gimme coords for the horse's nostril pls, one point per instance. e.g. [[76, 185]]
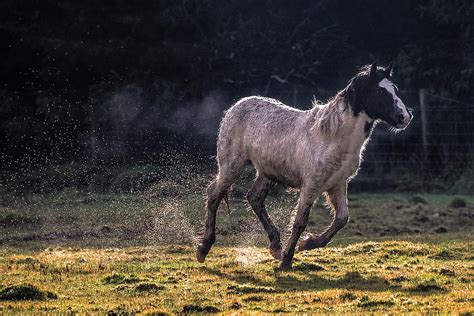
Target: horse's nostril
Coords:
[[400, 118]]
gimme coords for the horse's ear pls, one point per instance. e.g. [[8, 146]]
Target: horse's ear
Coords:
[[389, 70], [373, 69]]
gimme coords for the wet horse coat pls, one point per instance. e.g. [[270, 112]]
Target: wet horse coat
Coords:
[[316, 151]]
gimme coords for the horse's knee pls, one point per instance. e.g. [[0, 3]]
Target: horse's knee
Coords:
[[258, 192], [215, 192], [341, 219]]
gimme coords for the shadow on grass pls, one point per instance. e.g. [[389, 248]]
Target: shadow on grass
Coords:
[[238, 276], [351, 280], [297, 281]]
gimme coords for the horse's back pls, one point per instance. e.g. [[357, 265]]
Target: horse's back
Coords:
[[262, 131], [259, 112], [255, 117]]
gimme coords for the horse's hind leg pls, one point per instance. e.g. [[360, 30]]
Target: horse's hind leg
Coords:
[[228, 172], [256, 197]]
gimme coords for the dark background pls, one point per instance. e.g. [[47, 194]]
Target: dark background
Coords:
[[127, 83]]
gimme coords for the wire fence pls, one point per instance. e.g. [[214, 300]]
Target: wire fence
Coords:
[[436, 149]]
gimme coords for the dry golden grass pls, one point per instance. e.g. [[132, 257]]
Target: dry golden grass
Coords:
[[77, 252], [388, 276]]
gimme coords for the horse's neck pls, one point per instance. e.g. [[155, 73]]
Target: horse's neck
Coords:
[[354, 132], [339, 126]]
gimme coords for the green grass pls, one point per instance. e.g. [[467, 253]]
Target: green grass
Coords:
[[387, 276], [132, 253]]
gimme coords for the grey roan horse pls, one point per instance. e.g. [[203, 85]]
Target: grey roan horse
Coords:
[[316, 151]]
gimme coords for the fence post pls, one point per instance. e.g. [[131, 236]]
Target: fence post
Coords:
[[424, 123]]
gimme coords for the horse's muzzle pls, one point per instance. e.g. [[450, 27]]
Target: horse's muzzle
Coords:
[[402, 119]]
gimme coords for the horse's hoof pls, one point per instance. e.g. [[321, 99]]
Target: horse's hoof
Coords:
[[286, 266], [201, 253]]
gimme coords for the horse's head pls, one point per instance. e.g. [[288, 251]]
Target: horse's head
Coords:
[[375, 94]]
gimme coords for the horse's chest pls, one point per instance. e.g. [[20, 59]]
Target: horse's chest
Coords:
[[343, 168]]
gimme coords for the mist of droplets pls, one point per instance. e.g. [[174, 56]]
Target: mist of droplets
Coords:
[[170, 225], [249, 255]]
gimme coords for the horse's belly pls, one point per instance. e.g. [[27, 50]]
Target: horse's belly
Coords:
[[282, 179], [278, 171]]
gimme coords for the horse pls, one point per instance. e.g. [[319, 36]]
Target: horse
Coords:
[[317, 151]]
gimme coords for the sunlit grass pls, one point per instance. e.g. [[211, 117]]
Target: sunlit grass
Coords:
[[387, 275], [132, 252]]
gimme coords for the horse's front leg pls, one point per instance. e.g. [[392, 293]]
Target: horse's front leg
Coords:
[[337, 198], [305, 201]]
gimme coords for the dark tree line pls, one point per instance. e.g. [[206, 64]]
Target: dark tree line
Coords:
[[123, 80]]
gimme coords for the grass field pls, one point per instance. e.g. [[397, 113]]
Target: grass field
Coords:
[[133, 253]]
